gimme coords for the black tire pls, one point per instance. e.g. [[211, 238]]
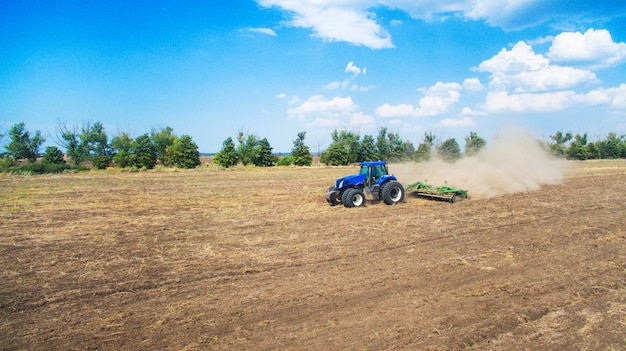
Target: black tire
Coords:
[[335, 198], [353, 198], [393, 193]]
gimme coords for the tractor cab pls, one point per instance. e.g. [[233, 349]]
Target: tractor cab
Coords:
[[373, 171]]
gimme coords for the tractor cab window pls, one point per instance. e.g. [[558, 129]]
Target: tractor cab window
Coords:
[[376, 172], [364, 169], [379, 171]]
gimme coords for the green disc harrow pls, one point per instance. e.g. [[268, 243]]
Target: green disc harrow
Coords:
[[444, 193]]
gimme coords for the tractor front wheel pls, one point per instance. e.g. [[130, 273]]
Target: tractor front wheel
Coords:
[[353, 198], [393, 193]]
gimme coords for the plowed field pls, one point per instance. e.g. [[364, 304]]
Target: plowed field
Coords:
[[254, 259]]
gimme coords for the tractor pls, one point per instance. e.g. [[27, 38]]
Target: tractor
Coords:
[[373, 182]]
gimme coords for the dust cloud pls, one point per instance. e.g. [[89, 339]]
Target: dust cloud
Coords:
[[513, 162]]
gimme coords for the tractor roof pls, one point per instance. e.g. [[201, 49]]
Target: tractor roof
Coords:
[[374, 163]]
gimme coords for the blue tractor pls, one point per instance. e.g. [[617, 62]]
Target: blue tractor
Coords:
[[373, 182]]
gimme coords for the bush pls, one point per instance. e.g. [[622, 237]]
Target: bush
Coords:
[[6, 163], [40, 168], [53, 156], [285, 161], [101, 161], [185, 152]]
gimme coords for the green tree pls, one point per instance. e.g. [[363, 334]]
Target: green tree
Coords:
[[396, 148], [390, 147], [121, 146], [473, 144], [351, 143], [368, 148], [611, 148], [227, 157], [422, 153], [247, 149], [577, 149], [96, 139], [143, 152], [430, 139], [22, 145], [335, 155], [163, 139], [300, 152], [403, 151], [185, 152], [425, 148], [383, 149], [558, 147], [593, 151], [265, 158], [53, 156], [69, 139], [449, 150], [344, 149]]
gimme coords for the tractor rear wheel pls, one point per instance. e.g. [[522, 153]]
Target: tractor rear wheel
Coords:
[[393, 193], [353, 198]]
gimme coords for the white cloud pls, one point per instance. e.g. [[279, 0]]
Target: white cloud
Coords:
[[466, 111], [508, 14], [361, 88], [266, 31], [347, 83], [333, 85], [524, 81], [355, 22], [594, 48], [387, 110], [295, 100], [348, 21], [501, 101], [359, 121], [456, 123], [472, 85], [351, 68], [522, 70], [317, 105], [497, 12], [613, 97], [619, 96], [436, 101], [324, 123], [540, 40], [281, 96]]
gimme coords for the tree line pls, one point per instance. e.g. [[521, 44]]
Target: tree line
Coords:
[[349, 147], [90, 143], [254, 151], [578, 147], [346, 148]]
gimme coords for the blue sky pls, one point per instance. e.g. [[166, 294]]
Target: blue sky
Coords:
[[276, 67]]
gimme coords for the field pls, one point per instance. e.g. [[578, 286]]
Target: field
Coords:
[[254, 259]]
